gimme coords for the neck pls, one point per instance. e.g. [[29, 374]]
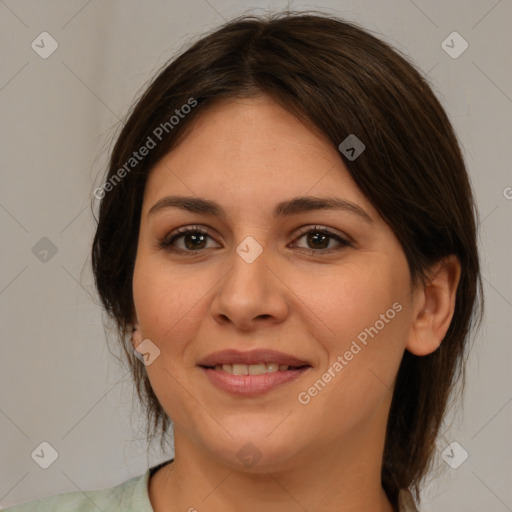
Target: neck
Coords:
[[330, 476]]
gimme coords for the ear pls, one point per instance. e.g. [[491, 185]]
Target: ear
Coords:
[[136, 334], [434, 305]]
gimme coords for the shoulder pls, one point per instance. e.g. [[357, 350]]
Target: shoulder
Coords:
[[125, 497]]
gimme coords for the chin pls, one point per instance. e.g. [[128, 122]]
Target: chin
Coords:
[[255, 453]]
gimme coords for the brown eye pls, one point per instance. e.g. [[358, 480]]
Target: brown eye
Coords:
[[193, 239], [319, 238]]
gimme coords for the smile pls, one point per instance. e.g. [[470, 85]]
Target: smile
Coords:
[[252, 380], [253, 369]]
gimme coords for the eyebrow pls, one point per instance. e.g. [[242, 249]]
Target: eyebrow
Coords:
[[283, 209]]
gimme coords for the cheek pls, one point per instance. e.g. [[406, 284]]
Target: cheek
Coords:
[[364, 355], [168, 303], [169, 308], [364, 320], [344, 303]]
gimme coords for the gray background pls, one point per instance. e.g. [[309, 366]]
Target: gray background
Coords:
[[59, 382]]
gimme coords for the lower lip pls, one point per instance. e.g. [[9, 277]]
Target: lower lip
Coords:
[[251, 385]]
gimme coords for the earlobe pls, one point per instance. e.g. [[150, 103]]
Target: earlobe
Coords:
[[136, 336], [434, 307]]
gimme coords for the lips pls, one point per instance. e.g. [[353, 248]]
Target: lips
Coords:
[[253, 357], [252, 385], [252, 373]]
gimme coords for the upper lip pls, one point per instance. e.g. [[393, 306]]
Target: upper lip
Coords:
[[251, 357]]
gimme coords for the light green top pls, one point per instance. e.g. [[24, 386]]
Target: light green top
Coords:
[[130, 496]]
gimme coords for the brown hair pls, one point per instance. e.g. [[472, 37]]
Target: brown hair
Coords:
[[342, 80]]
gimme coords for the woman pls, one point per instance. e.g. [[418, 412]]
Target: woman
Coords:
[[287, 244]]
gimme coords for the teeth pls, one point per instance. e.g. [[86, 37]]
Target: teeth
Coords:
[[252, 369]]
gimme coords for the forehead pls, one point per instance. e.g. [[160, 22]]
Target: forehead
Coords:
[[248, 153]]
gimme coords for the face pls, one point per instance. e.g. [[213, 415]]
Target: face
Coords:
[[329, 287]]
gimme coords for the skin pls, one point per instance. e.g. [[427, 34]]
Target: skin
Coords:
[[248, 155]]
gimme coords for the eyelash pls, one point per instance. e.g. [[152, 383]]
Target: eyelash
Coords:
[[168, 241]]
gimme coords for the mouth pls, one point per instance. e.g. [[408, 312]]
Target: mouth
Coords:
[[275, 360], [254, 369], [251, 373]]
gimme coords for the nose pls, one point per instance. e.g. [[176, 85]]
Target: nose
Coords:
[[251, 294]]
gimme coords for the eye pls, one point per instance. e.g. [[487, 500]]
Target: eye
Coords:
[[194, 239], [320, 237]]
